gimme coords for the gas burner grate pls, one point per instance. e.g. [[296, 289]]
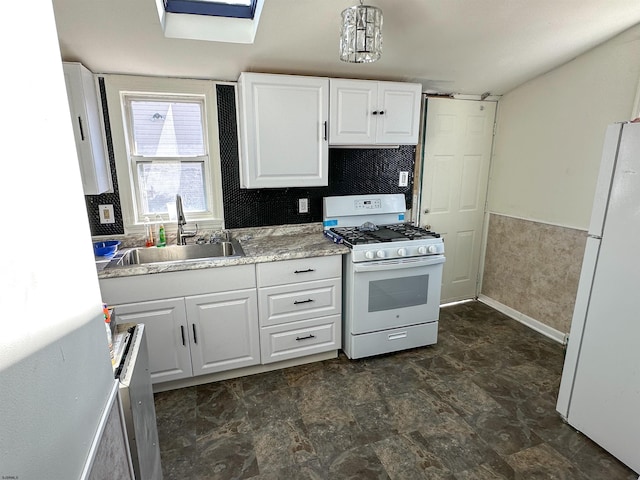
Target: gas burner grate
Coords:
[[385, 233]]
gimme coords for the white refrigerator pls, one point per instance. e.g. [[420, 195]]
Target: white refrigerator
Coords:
[[600, 388]]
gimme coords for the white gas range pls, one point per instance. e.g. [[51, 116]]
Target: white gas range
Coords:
[[392, 276]]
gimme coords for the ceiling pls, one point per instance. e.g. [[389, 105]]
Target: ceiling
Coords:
[[450, 46]]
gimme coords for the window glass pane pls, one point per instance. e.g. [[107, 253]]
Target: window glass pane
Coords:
[[167, 129], [159, 183]]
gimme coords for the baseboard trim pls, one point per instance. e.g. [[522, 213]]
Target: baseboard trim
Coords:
[[532, 323]]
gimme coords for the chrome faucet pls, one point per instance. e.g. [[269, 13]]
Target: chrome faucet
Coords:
[[182, 221]]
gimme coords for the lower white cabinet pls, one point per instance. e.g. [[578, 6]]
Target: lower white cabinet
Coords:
[[199, 334], [223, 328], [217, 320], [300, 305], [167, 336], [197, 321]]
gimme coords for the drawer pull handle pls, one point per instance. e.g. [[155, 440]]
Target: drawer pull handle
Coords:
[[305, 271], [182, 332], [298, 302], [308, 337], [195, 338], [396, 336]]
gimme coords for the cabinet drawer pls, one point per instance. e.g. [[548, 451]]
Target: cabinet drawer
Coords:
[[307, 337], [290, 303], [299, 270]]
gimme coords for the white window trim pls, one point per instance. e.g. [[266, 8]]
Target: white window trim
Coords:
[[115, 85]]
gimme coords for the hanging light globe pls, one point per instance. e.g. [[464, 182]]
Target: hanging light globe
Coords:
[[361, 34]]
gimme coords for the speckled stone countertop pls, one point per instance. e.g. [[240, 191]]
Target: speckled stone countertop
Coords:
[[262, 244]]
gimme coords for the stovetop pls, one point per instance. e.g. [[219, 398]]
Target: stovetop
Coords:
[[370, 233], [387, 241]]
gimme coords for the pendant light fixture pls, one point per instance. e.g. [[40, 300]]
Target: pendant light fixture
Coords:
[[361, 34]]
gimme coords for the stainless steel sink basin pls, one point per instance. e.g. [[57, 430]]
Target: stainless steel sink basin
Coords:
[[177, 254]]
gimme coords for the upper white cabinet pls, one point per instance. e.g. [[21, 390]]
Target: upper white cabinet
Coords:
[[86, 117], [283, 124], [366, 112]]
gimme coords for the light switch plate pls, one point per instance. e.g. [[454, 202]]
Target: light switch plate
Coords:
[[106, 214], [303, 205], [403, 181]]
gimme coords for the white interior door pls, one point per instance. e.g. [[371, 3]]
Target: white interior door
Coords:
[[457, 151]]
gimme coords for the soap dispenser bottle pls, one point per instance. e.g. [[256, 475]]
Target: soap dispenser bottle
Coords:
[[161, 238]]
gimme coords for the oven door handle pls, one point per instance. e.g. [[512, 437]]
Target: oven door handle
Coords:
[[398, 264]]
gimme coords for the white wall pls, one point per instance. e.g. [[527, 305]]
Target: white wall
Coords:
[[55, 372], [550, 132]]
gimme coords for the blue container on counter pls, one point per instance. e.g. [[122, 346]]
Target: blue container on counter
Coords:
[[105, 249]]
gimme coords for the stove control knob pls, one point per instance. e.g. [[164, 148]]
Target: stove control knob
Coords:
[[402, 252], [433, 249], [381, 254], [422, 250], [369, 254]]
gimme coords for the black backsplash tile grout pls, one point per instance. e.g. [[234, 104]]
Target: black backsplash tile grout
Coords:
[[351, 172]]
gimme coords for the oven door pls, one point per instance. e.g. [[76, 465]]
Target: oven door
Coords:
[[395, 293]]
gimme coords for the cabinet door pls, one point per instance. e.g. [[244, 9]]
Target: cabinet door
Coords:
[[283, 130], [167, 337], [353, 103], [87, 128], [398, 113], [223, 328]]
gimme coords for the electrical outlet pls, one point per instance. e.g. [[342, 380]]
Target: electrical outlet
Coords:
[[106, 214], [303, 205], [403, 181]]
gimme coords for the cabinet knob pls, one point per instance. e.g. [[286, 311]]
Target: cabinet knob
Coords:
[[381, 112], [375, 112], [426, 210]]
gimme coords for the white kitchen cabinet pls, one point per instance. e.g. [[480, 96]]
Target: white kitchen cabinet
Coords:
[[367, 112], [210, 326], [283, 127], [223, 331], [87, 121], [300, 307], [167, 336]]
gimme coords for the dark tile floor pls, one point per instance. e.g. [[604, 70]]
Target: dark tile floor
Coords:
[[478, 405]]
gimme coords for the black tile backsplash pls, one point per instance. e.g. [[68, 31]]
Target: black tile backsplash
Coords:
[[351, 172], [93, 201]]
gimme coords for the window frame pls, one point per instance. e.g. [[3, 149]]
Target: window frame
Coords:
[[117, 88]]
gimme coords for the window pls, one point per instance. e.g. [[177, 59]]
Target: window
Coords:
[[168, 151], [165, 139]]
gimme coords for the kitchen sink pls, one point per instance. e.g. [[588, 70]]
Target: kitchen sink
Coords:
[[177, 254]]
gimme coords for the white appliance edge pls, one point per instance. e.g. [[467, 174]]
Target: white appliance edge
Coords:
[[600, 388]]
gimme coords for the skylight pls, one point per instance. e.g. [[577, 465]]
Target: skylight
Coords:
[[217, 8], [233, 21]]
